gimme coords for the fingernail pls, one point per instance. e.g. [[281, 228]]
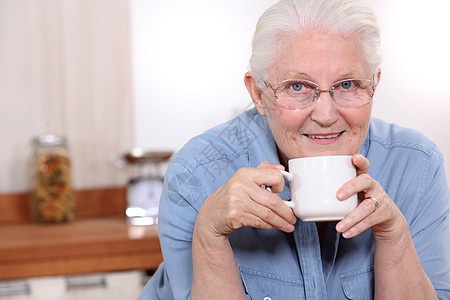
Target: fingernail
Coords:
[[340, 227], [348, 233], [290, 228]]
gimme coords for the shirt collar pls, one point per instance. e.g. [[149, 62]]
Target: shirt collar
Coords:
[[365, 146], [263, 147]]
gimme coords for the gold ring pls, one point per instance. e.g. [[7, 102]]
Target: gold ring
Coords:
[[374, 201]]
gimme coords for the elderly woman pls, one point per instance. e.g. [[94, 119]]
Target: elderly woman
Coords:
[[313, 74]]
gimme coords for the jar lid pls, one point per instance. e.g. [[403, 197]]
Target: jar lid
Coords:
[[49, 140]]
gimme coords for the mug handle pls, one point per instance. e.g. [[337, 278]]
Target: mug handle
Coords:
[[289, 177]]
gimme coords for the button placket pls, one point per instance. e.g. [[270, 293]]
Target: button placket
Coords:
[[308, 248]]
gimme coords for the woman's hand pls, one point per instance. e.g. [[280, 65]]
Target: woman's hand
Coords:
[[242, 202], [375, 210], [395, 255]]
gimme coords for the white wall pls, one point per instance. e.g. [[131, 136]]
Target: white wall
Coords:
[[189, 63], [190, 58], [415, 87], [65, 69]]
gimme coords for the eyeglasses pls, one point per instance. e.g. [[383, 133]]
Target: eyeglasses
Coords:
[[298, 94]]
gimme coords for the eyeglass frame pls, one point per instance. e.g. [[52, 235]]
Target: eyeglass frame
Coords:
[[318, 90]]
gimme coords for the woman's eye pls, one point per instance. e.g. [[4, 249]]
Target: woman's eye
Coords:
[[297, 87], [346, 85]]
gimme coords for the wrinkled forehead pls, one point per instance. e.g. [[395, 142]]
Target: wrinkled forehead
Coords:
[[319, 56]]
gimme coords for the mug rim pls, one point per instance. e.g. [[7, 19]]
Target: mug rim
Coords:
[[319, 157]]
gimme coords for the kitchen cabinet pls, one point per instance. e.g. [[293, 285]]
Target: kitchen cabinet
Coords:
[[101, 286]]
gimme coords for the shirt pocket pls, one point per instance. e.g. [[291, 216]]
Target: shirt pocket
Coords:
[[268, 286], [358, 284]]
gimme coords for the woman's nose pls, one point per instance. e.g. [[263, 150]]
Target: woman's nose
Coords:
[[325, 110]]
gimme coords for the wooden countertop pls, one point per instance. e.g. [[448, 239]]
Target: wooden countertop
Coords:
[[86, 245]]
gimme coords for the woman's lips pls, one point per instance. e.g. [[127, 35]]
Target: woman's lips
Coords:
[[328, 138]]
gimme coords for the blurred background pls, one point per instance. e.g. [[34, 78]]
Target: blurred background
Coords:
[[111, 75], [114, 74]]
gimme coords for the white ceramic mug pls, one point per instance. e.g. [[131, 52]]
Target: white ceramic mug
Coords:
[[314, 182]]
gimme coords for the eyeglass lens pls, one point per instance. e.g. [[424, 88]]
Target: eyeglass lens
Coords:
[[295, 94]]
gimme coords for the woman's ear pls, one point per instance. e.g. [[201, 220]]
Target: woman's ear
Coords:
[[255, 92], [378, 76]]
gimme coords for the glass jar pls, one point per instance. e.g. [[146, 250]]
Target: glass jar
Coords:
[[52, 198]]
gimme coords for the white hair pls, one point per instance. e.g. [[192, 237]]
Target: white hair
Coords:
[[288, 17]]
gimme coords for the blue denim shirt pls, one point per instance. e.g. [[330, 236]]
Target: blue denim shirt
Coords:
[[276, 265]]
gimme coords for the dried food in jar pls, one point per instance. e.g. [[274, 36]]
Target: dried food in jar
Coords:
[[52, 194]]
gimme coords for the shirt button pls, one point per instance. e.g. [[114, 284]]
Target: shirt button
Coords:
[[267, 298]]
